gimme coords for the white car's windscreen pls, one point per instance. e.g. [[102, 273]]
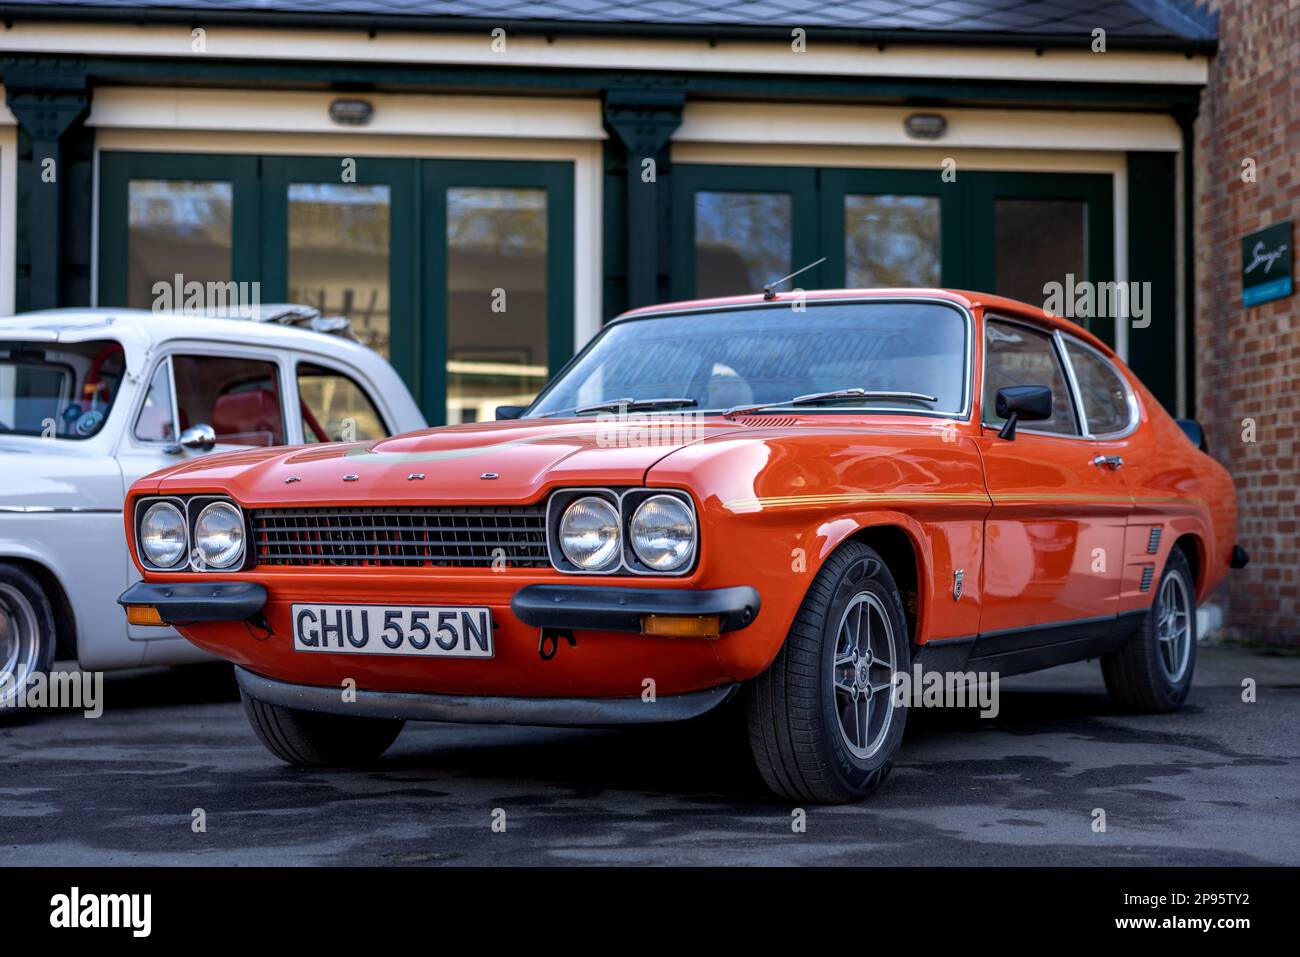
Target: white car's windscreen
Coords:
[[62, 391]]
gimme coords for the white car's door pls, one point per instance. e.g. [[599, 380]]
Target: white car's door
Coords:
[[203, 398]]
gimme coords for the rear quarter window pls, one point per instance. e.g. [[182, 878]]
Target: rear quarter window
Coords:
[[1102, 389]]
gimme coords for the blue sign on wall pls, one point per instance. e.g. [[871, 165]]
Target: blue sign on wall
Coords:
[[1266, 271]]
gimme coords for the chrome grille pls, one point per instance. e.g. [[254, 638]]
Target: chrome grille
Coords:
[[461, 536]]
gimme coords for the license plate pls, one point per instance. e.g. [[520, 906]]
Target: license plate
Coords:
[[433, 632]]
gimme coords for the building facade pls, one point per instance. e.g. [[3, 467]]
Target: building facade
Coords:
[[480, 185], [1248, 357]]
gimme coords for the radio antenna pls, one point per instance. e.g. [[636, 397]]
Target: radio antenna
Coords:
[[769, 291]]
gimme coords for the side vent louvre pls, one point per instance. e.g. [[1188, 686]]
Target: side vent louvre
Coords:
[[1153, 541], [1148, 573]]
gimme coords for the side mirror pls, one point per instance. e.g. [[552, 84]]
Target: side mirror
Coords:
[[1192, 429], [1028, 402], [199, 438], [510, 411]]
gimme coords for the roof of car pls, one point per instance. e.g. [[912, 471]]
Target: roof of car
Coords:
[[157, 327], [971, 300]]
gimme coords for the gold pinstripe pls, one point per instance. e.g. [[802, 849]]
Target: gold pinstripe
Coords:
[[884, 498]]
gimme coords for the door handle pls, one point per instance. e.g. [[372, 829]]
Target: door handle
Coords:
[[1113, 462]]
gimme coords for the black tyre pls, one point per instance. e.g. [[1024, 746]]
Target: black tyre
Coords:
[[27, 634], [311, 739], [1153, 672], [823, 723]]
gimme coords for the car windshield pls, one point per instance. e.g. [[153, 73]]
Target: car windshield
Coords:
[[904, 356], [57, 390]]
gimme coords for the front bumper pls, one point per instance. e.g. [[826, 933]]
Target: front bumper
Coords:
[[592, 644], [578, 607], [183, 603], [485, 709], [610, 608]]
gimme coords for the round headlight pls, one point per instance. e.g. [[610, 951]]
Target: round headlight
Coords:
[[162, 535], [589, 533], [663, 533], [219, 535]]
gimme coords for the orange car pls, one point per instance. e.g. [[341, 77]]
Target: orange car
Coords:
[[792, 498]]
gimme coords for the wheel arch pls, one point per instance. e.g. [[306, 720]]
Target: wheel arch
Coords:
[[1193, 548], [894, 545], [65, 619]]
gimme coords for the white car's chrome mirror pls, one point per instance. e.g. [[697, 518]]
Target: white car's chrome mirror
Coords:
[[201, 437]]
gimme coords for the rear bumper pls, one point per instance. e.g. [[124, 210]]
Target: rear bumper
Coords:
[[485, 709], [185, 603]]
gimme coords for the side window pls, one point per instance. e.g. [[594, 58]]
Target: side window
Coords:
[[239, 398], [155, 421], [1102, 389], [336, 409], [1018, 355]]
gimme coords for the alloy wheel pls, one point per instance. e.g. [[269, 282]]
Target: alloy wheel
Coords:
[[862, 673], [1173, 627]]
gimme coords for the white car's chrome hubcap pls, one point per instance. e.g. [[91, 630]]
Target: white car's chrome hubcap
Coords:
[[19, 641]]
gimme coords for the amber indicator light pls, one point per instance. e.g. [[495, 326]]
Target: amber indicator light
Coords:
[[681, 626]]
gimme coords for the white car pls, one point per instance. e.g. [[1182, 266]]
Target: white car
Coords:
[[90, 400]]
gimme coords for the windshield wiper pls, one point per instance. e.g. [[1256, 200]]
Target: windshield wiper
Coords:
[[631, 405], [837, 395]]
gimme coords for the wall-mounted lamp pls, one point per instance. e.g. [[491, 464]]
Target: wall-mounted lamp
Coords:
[[925, 126], [351, 112]]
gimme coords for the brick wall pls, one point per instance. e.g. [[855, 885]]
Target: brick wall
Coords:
[[1248, 361]]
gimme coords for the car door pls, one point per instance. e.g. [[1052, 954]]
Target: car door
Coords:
[[1054, 538], [1110, 409]]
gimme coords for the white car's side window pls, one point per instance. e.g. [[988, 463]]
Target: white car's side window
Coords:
[[335, 408], [156, 422]]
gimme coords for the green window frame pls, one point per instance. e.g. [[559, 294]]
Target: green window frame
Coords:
[[399, 175], [117, 169], [437, 176], [966, 204], [1095, 189], [837, 184], [799, 182], [417, 246]]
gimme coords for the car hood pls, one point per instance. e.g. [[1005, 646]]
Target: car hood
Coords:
[[494, 461], [41, 474]]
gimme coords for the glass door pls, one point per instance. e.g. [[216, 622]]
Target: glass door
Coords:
[[738, 228], [889, 228], [1042, 228], [169, 220], [498, 238], [340, 237]]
